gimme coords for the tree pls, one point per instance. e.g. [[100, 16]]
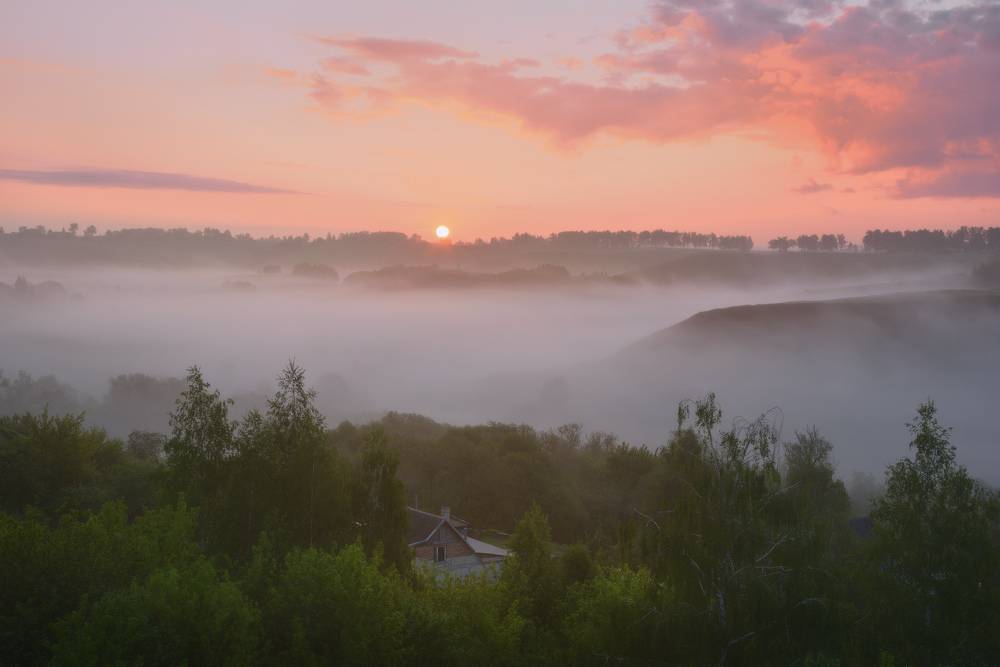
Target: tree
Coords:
[[60, 452], [200, 446], [781, 244], [808, 242], [930, 570], [176, 616], [380, 502], [297, 432], [809, 470], [817, 555], [828, 242], [145, 444], [723, 536], [336, 609], [531, 579]]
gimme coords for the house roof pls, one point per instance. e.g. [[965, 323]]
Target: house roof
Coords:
[[484, 549], [423, 525]]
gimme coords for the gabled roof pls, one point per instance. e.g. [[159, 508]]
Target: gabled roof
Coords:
[[423, 525]]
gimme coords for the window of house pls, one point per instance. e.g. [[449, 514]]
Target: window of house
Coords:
[[439, 554]]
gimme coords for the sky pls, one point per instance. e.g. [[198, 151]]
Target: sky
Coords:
[[751, 117]]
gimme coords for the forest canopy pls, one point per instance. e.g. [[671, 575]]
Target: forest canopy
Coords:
[[277, 538]]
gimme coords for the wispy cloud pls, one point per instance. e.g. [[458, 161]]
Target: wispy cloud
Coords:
[[811, 186], [951, 184], [394, 50], [136, 180]]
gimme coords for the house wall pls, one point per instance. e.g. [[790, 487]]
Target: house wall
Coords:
[[459, 567], [446, 537]]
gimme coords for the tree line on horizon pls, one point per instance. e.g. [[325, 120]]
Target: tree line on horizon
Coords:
[[276, 539], [583, 239], [962, 239]]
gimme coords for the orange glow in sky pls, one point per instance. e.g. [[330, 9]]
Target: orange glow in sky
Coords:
[[602, 115]]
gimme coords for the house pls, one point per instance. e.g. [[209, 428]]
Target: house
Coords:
[[443, 541]]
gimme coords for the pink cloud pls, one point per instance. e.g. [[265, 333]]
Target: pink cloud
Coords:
[[344, 66], [811, 186], [572, 64], [394, 50], [136, 180], [285, 74], [952, 184], [876, 87]]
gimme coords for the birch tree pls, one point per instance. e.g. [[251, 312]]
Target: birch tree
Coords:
[[930, 571], [720, 539]]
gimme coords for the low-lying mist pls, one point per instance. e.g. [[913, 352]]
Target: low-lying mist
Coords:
[[583, 351]]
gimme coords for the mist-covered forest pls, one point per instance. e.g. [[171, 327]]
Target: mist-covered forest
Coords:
[[605, 329], [174, 489], [278, 539]]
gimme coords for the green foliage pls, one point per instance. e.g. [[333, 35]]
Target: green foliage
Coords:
[[483, 625], [725, 556], [62, 449], [494, 473], [531, 578], [575, 565], [336, 608], [293, 448], [201, 442], [54, 460], [723, 539], [617, 617], [48, 571], [530, 568], [818, 555], [380, 502], [176, 616], [930, 571], [820, 660]]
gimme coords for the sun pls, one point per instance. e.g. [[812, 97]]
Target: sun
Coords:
[[442, 232]]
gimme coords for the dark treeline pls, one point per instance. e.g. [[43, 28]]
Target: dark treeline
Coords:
[[181, 247], [275, 539], [184, 247], [812, 243], [628, 239], [963, 239], [578, 239]]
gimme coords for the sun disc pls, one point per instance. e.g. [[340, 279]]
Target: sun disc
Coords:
[[442, 232]]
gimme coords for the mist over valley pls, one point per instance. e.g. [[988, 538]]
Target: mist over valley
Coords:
[[612, 340]]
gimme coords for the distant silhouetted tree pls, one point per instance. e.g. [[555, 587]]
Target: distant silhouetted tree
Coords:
[[808, 242], [781, 244]]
